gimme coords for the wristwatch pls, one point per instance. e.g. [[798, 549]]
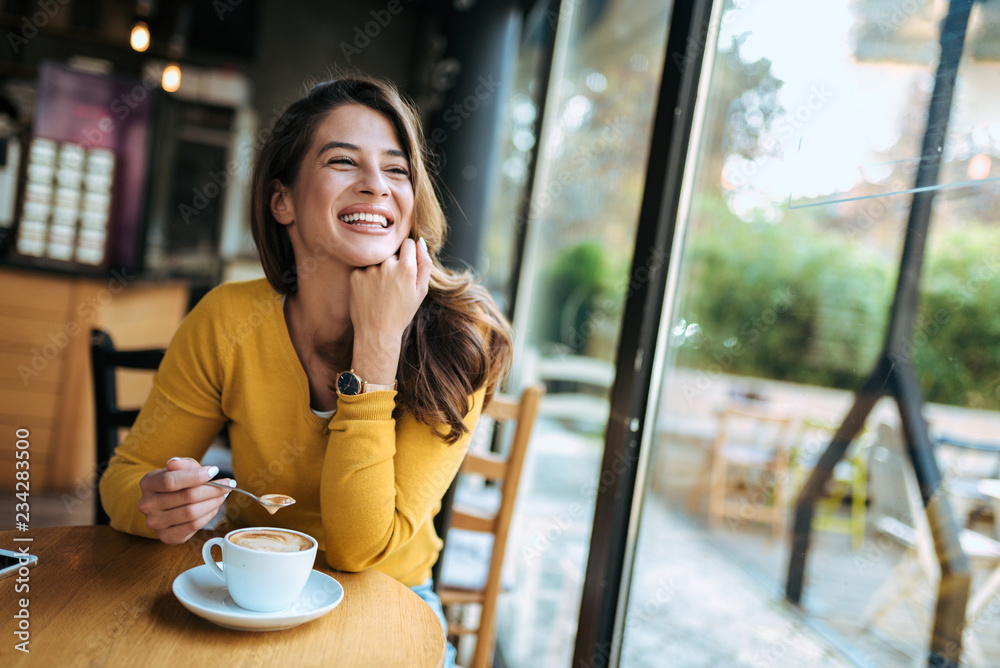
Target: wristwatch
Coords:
[[350, 384]]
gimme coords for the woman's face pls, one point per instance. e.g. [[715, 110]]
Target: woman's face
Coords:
[[352, 198]]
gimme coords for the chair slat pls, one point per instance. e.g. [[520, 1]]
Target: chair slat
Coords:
[[468, 519], [522, 411], [490, 466], [502, 408], [455, 596]]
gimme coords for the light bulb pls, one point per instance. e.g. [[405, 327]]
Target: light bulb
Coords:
[[171, 78], [140, 37], [979, 166]]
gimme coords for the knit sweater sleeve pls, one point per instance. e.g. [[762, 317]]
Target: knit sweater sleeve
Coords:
[[180, 418], [383, 478]]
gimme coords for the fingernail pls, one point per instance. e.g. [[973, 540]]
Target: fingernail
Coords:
[[422, 243], [172, 459], [213, 471], [231, 483]]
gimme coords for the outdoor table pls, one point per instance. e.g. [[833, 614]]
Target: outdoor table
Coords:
[[101, 597]]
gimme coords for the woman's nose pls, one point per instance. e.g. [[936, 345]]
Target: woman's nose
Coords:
[[372, 181]]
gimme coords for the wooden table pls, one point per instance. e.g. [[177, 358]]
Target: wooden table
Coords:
[[102, 598]]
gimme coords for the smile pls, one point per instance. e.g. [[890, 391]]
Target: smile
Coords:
[[365, 220]]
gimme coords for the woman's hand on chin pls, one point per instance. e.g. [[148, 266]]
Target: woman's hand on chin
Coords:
[[384, 299]]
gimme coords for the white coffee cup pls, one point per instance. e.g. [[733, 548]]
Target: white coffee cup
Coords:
[[264, 568]]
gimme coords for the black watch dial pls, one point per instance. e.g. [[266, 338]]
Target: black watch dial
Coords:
[[348, 383]]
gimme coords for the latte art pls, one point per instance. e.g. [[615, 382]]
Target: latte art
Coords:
[[271, 540]]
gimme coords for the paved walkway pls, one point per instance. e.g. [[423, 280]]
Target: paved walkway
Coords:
[[692, 606], [701, 598]]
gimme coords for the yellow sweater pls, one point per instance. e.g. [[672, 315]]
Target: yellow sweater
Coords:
[[366, 486]]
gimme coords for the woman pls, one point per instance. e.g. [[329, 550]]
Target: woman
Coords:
[[351, 378]]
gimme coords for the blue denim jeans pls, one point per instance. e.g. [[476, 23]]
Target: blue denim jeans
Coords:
[[426, 592]]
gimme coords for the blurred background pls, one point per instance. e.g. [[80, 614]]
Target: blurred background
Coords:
[[127, 131]]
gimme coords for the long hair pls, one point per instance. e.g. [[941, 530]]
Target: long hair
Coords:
[[458, 341]]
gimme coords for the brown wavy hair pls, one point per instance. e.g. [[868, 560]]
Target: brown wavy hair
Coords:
[[458, 341]]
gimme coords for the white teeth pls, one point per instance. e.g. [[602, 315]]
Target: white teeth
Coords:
[[362, 218]]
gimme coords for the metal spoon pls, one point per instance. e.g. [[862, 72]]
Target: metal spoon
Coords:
[[272, 503]]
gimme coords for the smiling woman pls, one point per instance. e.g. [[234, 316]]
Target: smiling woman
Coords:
[[355, 173], [356, 388]]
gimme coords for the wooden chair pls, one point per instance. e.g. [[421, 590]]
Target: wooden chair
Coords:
[[849, 481], [751, 455], [897, 511], [109, 418], [495, 469]]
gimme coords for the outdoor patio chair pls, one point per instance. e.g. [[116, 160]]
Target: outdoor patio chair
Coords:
[[898, 512], [472, 562], [848, 484], [748, 478], [577, 389]]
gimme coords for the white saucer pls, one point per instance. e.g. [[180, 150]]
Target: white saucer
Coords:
[[204, 594]]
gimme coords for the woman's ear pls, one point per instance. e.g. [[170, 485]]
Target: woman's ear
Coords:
[[282, 207]]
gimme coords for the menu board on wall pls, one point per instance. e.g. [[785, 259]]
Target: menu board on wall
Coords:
[[83, 196], [67, 202]]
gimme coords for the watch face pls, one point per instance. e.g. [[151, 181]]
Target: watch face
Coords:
[[349, 383]]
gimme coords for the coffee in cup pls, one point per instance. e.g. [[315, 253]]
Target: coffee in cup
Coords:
[[271, 540], [264, 568]]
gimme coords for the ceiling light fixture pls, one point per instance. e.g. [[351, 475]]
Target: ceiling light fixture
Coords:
[[171, 80], [140, 36]]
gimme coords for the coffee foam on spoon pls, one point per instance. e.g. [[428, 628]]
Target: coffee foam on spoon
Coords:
[[279, 500]]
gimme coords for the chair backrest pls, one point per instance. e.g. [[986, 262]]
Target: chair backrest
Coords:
[[505, 472], [812, 436], [109, 418], [896, 505], [754, 428]]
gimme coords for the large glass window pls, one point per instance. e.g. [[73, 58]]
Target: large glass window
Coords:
[[801, 193], [587, 189]]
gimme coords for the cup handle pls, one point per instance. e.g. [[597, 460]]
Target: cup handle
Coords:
[[206, 555]]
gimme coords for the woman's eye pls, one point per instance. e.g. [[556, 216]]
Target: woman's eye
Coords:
[[402, 171], [340, 161]]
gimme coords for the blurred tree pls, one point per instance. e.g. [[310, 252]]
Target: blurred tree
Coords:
[[743, 110]]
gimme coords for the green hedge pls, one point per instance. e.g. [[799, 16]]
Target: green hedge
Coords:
[[956, 345], [794, 301]]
